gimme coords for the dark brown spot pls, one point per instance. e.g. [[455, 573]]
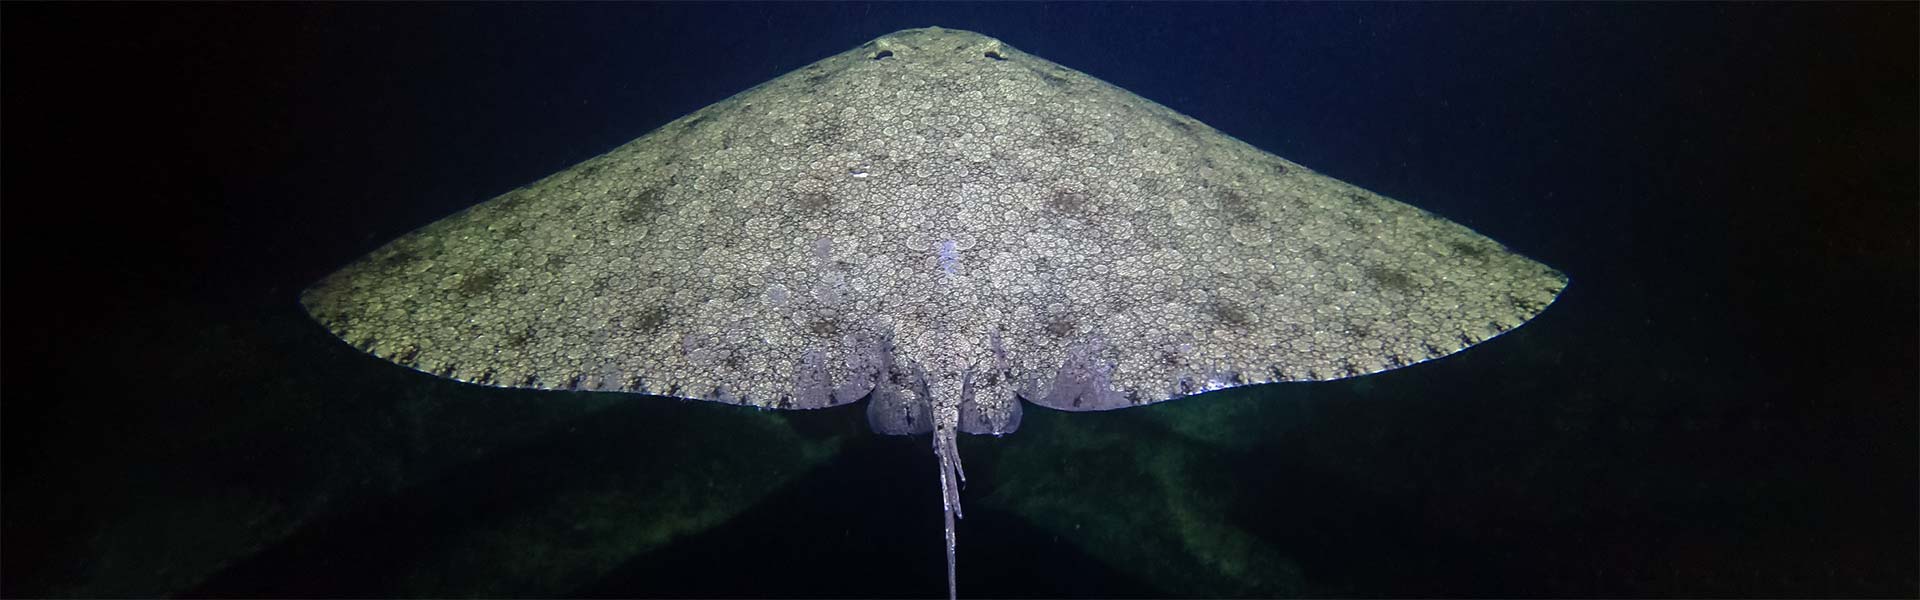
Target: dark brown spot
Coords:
[[1059, 326], [812, 201], [641, 207], [1067, 202], [825, 328], [1231, 314], [1187, 385], [1042, 265], [478, 283], [1360, 330], [400, 255], [817, 76], [1525, 306], [1064, 135], [511, 200], [823, 130], [1467, 250], [899, 376], [1171, 358], [1392, 279], [993, 378], [511, 230], [519, 339], [1236, 206], [1151, 186], [652, 320]]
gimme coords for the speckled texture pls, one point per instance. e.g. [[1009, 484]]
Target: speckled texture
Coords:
[[931, 202]]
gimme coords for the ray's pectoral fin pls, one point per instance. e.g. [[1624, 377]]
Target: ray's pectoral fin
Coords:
[[1084, 381]]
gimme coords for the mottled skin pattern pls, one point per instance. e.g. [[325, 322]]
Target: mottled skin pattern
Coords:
[[942, 224]]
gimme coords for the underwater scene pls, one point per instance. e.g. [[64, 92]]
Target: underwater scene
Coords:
[[735, 300]]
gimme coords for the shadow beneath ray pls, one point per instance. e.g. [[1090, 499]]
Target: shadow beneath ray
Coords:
[[476, 529], [882, 538]]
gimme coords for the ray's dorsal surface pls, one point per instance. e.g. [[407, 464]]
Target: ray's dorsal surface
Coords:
[[942, 225]]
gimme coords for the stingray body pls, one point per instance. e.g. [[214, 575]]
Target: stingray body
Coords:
[[940, 225]]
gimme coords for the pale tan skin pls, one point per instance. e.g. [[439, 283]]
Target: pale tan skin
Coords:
[[941, 224]]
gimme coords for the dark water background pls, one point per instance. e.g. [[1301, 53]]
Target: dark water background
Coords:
[[1722, 404]]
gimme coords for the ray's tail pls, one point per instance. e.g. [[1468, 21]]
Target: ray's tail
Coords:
[[951, 477]]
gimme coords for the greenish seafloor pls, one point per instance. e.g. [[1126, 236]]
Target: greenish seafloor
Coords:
[[1146, 496]]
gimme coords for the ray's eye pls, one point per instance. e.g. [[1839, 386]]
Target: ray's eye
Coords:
[[883, 54], [995, 54]]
